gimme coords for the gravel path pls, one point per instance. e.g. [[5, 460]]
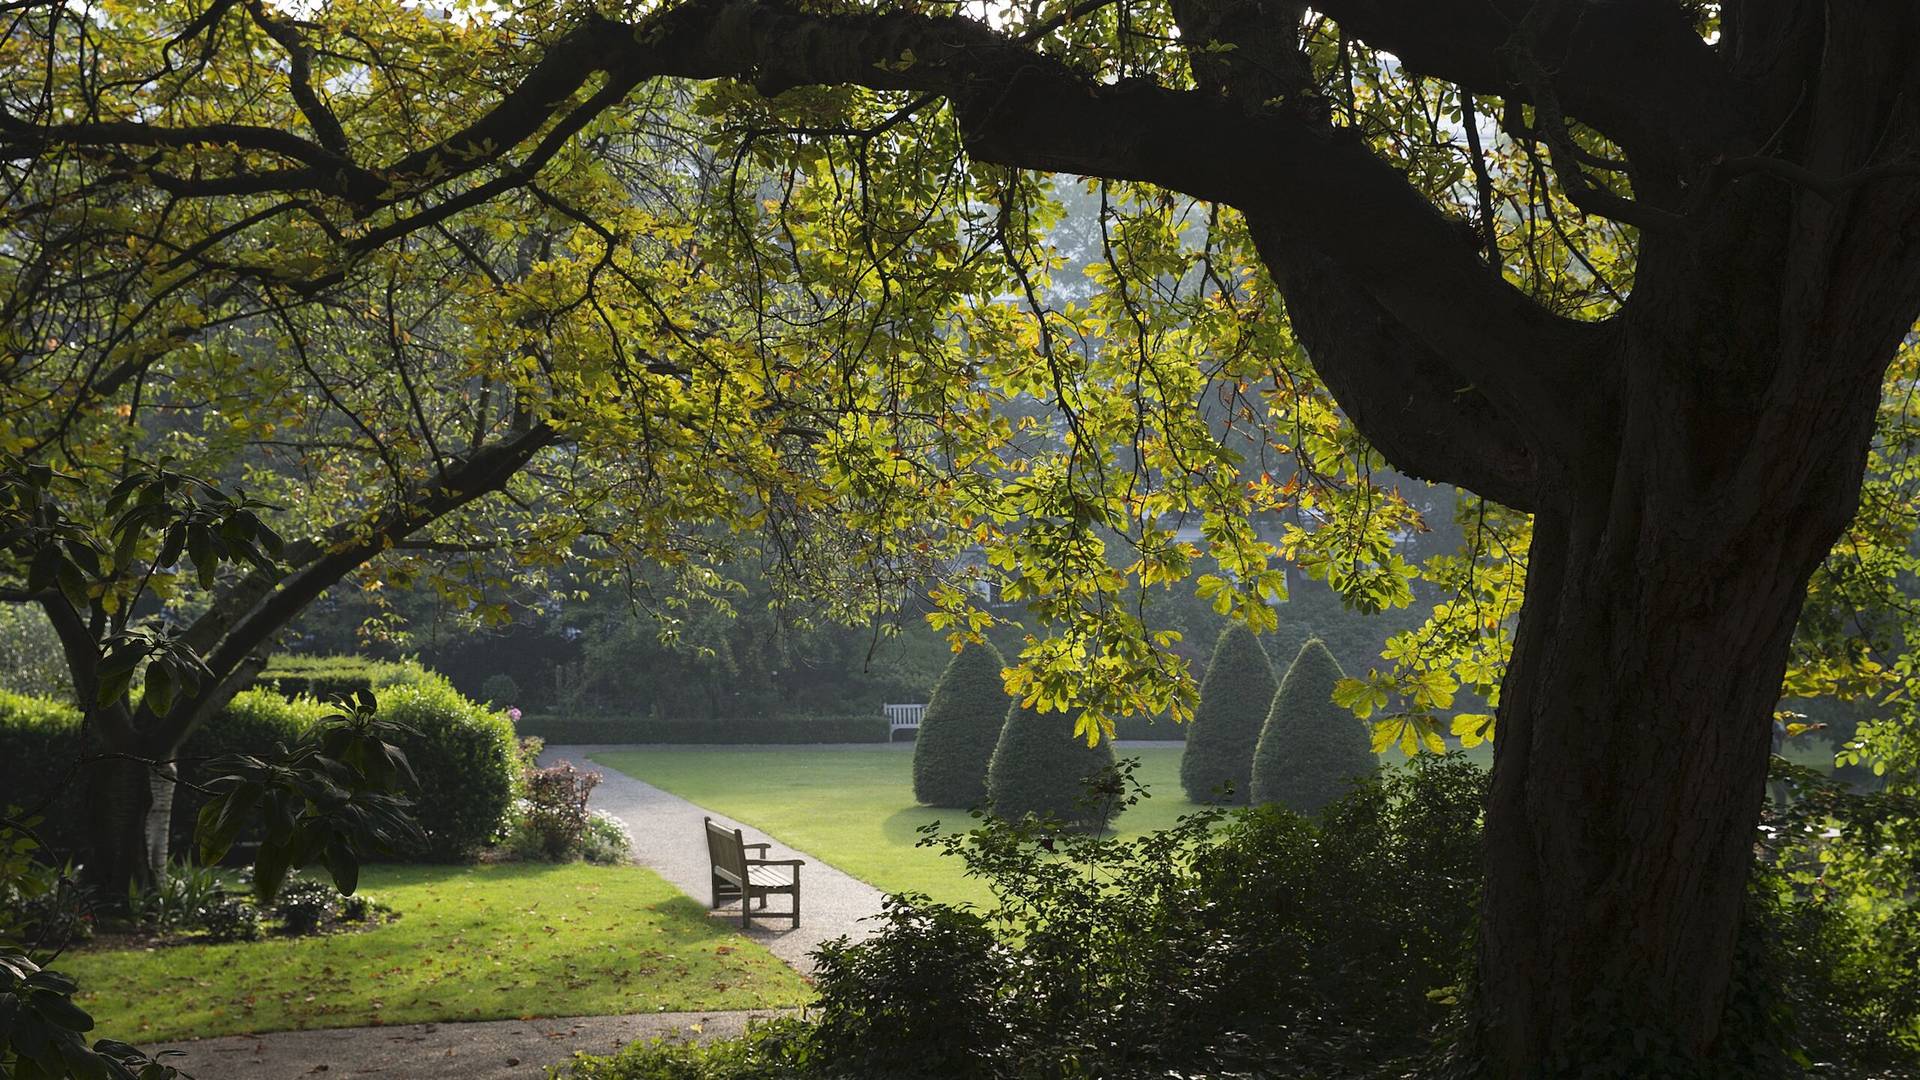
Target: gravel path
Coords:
[[488, 1050], [668, 838]]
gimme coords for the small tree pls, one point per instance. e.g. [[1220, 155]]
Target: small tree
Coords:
[[960, 730], [1041, 766], [1234, 700], [1311, 750]]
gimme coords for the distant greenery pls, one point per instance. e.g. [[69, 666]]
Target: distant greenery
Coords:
[[960, 730], [1311, 750], [471, 943]]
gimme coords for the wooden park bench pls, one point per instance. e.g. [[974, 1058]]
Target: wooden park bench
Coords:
[[736, 877]]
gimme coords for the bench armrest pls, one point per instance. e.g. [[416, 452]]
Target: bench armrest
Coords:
[[776, 862], [762, 847]]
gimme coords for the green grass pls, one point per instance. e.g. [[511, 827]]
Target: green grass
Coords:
[[472, 943], [855, 808]]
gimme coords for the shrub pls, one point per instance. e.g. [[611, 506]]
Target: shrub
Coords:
[[499, 690], [40, 740], [1041, 767], [557, 807], [921, 999], [306, 906], [462, 754], [1310, 749], [177, 899], [606, 840], [231, 919], [464, 757], [960, 729], [1235, 698]]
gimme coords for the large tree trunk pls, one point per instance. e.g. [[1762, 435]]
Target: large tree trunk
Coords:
[[1663, 591], [122, 855]]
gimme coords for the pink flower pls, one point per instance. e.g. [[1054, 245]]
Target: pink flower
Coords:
[[513, 715]]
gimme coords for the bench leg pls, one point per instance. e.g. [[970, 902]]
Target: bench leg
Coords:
[[746, 906]]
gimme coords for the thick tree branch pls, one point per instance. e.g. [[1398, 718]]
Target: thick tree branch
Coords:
[[1635, 70], [331, 558]]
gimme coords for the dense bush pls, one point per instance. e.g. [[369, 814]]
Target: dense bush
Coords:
[[464, 757], [1311, 750], [960, 729], [1235, 697], [461, 753], [1041, 767], [556, 811], [41, 741], [231, 918]]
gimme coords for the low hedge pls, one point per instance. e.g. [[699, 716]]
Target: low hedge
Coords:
[[331, 676], [960, 730], [39, 740], [1040, 767], [563, 730]]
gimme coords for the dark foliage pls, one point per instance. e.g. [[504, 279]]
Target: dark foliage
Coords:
[[1311, 750], [1041, 767], [960, 730], [306, 906], [1235, 697]]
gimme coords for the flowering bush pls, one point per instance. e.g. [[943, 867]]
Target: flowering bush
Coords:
[[557, 807], [606, 840]]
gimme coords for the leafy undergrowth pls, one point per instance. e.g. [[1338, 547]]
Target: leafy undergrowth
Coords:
[[472, 943]]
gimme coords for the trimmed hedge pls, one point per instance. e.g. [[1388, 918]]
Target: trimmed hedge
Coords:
[[1311, 750], [39, 740], [1235, 698], [565, 730], [1040, 767], [329, 677], [463, 755], [960, 730]]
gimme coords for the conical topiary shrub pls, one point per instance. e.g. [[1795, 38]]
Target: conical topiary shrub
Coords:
[[1040, 767], [960, 729], [1235, 698], [1311, 750]]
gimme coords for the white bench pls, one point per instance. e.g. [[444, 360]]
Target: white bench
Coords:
[[903, 718]]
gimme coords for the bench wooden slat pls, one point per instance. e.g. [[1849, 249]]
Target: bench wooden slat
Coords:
[[736, 877]]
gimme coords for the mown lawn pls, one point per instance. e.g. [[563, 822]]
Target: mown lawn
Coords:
[[472, 943], [855, 808]]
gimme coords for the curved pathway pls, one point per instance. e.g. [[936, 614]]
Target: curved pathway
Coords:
[[669, 839]]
